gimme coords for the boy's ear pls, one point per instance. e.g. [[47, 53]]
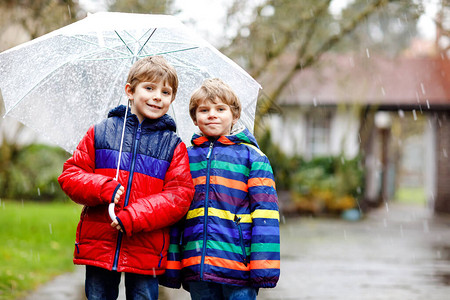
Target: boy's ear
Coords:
[[128, 91]]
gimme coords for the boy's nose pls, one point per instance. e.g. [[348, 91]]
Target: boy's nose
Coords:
[[157, 95], [212, 114]]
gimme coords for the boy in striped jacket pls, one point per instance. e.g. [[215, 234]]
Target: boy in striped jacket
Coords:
[[229, 244]]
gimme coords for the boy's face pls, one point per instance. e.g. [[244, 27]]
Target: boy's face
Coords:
[[151, 100], [214, 119]]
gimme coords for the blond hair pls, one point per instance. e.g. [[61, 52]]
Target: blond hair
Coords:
[[211, 89], [151, 69]]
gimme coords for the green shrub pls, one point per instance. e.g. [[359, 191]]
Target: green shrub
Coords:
[[31, 173]]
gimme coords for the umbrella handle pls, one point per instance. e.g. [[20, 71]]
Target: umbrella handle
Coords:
[[112, 215]]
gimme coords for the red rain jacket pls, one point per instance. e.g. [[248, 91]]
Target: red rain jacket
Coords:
[[158, 191]]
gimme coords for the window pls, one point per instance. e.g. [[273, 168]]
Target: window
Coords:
[[318, 134]]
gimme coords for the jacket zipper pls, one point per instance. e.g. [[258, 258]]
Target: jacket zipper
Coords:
[[205, 227], [241, 239], [127, 196]]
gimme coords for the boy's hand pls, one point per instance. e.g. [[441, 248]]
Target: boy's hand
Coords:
[[118, 194], [115, 224]]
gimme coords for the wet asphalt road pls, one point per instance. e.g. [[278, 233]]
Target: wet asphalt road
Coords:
[[397, 252]]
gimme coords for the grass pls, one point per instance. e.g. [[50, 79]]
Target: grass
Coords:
[[36, 244]]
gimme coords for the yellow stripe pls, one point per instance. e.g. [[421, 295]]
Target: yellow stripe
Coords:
[[198, 212], [223, 214], [266, 214], [220, 213], [254, 147]]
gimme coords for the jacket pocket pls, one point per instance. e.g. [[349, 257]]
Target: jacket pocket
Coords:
[[80, 225], [161, 253], [237, 220]]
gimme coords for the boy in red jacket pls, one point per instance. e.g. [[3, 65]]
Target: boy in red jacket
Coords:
[[153, 189]]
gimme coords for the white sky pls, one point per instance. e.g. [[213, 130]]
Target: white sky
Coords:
[[207, 17]]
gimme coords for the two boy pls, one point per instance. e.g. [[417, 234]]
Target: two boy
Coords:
[[230, 239]]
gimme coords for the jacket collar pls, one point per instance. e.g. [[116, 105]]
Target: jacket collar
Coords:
[[164, 123], [242, 135]]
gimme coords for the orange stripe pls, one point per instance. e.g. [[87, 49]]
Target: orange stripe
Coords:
[[230, 183], [199, 180], [173, 265], [261, 181], [191, 261], [265, 264], [215, 261], [226, 141], [226, 263]]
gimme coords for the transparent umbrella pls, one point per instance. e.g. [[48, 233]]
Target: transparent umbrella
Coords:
[[63, 82]]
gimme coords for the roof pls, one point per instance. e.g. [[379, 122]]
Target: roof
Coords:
[[407, 81]]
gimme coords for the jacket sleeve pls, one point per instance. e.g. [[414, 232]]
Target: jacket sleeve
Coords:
[[78, 179], [265, 241], [163, 209], [172, 277]]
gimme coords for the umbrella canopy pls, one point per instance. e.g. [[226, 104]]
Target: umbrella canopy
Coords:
[[62, 82]]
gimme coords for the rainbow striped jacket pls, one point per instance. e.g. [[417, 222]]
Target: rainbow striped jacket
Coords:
[[230, 234]]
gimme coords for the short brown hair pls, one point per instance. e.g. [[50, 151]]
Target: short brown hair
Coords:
[[153, 68], [211, 89]]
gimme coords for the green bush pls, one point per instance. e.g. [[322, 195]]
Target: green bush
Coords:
[[327, 184], [31, 172]]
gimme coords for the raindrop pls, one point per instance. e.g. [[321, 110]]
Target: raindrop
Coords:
[[50, 228], [428, 104], [444, 151], [367, 53], [401, 113], [39, 192], [315, 101], [387, 206], [383, 91], [414, 115], [422, 87]]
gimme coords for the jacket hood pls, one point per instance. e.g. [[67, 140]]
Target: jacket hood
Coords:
[[238, 136], [164, 123]]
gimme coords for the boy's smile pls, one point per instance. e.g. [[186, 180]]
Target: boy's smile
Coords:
[[151, 100], [214, 119]]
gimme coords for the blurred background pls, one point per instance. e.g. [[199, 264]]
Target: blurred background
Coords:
[[353, 112]]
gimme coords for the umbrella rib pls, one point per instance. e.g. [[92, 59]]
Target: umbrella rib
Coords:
[[146, 42], [100, 47], [126, 45]]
